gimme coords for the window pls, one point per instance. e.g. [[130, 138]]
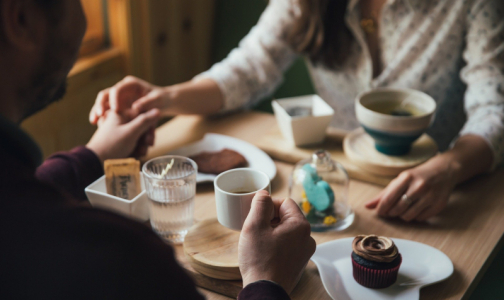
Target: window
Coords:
[[95, 37]]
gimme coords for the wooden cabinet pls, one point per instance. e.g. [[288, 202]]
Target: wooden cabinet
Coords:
[[168, 41]]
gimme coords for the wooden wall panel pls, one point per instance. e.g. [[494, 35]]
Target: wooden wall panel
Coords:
[[94, 38], [164, 41], [180, 36], [129, 23]]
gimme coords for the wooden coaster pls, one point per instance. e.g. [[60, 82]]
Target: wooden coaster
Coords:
[[212, 250], [359, 148]]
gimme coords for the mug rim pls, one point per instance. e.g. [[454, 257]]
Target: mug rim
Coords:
[[396, 90], [241, 169]]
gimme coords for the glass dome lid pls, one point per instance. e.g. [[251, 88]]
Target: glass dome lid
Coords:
[[319, 185]]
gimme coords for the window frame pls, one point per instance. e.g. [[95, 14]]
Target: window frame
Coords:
[[95, 36]]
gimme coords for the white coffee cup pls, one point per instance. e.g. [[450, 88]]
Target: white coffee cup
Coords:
[[233, 204]]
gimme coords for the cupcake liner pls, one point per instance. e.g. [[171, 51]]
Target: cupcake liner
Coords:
[[373, 278]]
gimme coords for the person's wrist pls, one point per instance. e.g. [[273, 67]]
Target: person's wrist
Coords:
[[265, 288], [264, 280], [100, 153], [260, 276], [251, 277], [248, 279], [171, 99], [453, 167]]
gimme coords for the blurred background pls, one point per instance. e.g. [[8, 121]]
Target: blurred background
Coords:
[[162, 41], [167, 42]]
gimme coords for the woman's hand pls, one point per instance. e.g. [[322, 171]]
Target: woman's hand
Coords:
[[119, 136], [419, 193], [423, 192], [130, 97]]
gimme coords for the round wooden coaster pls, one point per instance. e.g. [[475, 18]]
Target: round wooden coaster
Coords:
[[212, 250], [359, 148]]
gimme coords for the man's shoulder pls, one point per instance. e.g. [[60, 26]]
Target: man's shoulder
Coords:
[[58, 248], [32, 208]]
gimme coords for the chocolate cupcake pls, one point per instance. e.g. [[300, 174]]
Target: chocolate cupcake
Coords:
[[375, 261]]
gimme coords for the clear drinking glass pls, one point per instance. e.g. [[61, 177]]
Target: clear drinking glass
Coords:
[[171, 195]]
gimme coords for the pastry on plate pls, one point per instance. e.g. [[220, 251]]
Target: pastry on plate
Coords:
[[375, 260], [218, 162]]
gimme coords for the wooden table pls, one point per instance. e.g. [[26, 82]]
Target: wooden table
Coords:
[[469, 230]]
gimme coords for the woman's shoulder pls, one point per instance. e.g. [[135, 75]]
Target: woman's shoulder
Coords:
[[283, 9], [278, 17]]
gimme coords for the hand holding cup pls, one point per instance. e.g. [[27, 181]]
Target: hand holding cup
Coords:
[[276, 250]]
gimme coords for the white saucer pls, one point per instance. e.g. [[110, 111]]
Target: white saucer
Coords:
[[422, 265], [212, 142]]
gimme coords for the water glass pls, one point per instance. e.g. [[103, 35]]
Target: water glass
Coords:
[[171, 195]]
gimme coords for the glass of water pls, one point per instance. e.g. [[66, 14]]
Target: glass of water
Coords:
[[170, 184]]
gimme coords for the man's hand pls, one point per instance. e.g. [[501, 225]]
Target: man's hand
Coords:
[[275, 250], [129, 97], [119, 137]]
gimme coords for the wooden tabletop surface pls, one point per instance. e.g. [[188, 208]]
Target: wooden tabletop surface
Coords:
[[469, 230]]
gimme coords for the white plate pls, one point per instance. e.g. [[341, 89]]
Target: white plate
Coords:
[[212, 142], [422, 265]]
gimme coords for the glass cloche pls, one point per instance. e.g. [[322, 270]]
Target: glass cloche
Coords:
[[319, 185]]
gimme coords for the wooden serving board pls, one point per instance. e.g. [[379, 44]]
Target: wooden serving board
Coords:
[[229, 288], [211, 257], [277, 147], [212, 250]]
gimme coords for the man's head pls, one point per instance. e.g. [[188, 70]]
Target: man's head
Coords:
[[39, 43]]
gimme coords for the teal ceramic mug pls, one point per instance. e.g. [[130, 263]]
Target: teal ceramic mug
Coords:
[[394, 118]]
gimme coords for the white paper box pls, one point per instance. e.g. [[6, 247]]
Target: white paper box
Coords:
[[303, 130], [136, 208]]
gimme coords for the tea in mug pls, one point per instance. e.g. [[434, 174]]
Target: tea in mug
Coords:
[[395, 108]]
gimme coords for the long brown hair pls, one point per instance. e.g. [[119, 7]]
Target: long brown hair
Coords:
[[320, 32]]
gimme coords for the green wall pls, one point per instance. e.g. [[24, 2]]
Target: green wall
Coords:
[[234, 19]]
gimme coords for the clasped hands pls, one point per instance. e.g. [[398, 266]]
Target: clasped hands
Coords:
[[124, 128]]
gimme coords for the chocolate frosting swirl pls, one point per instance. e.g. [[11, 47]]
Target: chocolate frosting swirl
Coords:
[[375, 248]]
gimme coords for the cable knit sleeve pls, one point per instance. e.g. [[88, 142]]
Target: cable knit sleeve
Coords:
[[255, 68], [483, 74]]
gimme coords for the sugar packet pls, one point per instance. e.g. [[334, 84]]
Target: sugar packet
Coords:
[[122, 177]]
